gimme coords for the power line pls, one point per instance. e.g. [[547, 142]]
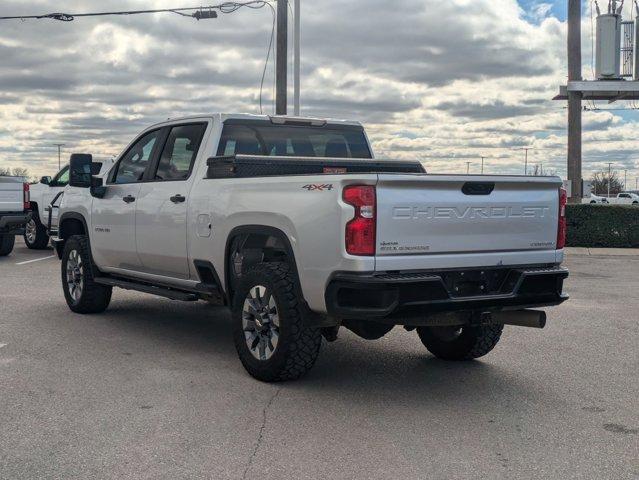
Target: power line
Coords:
[[199, 13]]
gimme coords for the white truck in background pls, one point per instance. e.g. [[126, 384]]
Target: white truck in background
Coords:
[[14, 211], [624, 198], [48, 190], [292, 224]]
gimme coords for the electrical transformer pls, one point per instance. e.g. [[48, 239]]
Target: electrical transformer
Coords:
[[608, 65]]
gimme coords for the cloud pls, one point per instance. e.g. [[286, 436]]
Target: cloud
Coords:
[[443, 82]]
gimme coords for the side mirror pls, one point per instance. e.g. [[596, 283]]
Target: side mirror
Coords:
[[45, 180], [98, 189], [80, 170]]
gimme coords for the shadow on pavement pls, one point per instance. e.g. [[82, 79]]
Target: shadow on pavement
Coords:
[[396, 370]]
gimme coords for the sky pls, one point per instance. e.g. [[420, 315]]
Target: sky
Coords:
[[444, 82]]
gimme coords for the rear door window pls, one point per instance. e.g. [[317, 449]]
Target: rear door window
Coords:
[[179, 152]]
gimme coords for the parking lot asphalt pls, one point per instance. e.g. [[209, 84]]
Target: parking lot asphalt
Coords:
[[154, 389]]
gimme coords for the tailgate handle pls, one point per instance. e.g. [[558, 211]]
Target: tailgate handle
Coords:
[[478, 188]]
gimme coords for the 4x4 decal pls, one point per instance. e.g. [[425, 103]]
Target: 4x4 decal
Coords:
[[318, 188]]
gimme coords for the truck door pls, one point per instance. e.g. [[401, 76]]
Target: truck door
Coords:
[[113, 217], [161, 212]]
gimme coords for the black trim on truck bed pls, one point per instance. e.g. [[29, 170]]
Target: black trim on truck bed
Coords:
[[404, 298], [249, 166]]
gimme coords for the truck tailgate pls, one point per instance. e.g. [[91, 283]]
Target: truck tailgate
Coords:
[[425, 215], [11, 194]]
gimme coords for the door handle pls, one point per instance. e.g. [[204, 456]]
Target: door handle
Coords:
[[129, 199], [178, 199]]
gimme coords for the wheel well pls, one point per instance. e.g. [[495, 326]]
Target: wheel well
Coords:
[[70, 227], [252, 245]]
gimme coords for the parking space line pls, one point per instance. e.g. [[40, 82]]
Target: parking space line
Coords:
[[36, 260]]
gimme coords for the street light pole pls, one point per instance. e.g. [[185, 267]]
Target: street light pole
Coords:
[[625, 179], [468, 167], [482, 165], [609, 177], [59, 145]]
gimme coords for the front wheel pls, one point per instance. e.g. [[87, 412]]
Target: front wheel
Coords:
[[81, 292], [460, 343], [7, 242], [270, 336]]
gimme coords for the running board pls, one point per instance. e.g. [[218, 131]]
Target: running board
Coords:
[[146, 288]]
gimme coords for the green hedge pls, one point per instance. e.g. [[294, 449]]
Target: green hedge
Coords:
[[610, 226]]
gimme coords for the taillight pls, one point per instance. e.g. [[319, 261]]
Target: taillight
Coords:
[[360, 231], [27, 196], [561, 231]]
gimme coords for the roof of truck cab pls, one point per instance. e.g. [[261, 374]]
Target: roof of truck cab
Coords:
[[248, 116]]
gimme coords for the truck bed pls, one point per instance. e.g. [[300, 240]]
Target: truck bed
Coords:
[[11, 194]]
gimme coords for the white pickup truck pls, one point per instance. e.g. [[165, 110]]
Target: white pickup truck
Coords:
[[14, 211], [624, 198], [49, 190], [292, 224]]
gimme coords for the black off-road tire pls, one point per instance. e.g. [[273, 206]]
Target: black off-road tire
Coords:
[[298, 344], [7, 241], [41, 239], [94, 298], [470, 343]]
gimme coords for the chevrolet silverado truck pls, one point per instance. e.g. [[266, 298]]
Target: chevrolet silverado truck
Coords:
[[14, 211], [292, 224]]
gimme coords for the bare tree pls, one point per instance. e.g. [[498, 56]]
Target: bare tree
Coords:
[[600, 183]]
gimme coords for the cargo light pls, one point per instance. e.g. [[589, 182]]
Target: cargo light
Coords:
[[562, 228], [27, 196], [360, 231]]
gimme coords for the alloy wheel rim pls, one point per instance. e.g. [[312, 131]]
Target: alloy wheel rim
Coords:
[[31, 231], [261, 323], [75, 275]]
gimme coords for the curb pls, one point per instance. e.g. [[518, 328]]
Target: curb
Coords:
[[603, 252]]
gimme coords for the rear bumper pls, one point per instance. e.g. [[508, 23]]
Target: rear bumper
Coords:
[[399, 297], [14, 223]]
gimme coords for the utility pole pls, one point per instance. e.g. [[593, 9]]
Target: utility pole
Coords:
[[609, 177], [574, 100], [482, 165], [468, 167], [281, 59], [297, 60], [59, 145]]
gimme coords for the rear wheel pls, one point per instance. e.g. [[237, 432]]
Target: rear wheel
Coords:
[[7, 241], [270, 336], [460, 343], [35, 234], [81, 292]]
